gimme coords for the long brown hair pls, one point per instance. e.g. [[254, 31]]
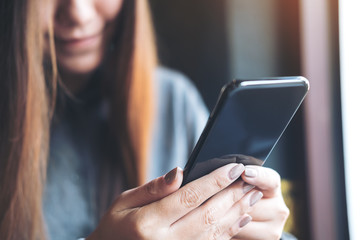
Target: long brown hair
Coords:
[[26, 95]]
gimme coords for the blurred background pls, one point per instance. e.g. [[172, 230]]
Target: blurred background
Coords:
[[213, 42]]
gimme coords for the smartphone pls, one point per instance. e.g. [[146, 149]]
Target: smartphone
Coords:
[[248, 120]]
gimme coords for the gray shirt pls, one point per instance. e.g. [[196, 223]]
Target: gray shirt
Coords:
[[75, 153]]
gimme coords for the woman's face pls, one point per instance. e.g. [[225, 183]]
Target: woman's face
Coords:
[[81, 31]]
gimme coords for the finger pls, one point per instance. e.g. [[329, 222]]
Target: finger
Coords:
[[195, 193], [151, 191], [265, 179], [237, 216], [219, 213], [213, 210], [259, 231], [269, 209], [236, 227]]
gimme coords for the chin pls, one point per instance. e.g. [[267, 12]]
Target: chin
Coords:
[[83, 64]]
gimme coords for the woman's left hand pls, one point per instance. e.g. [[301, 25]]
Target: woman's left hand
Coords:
[[270, 213]]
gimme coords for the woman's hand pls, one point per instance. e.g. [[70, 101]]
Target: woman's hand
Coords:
[[211, 207], [270, 213]]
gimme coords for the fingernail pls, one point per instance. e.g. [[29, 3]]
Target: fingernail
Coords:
[[245, 221], [247, 187], [255, 197], [170, 176], [250, 172], [236, 171]]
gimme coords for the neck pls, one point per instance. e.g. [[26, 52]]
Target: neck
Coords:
[[75, 82]]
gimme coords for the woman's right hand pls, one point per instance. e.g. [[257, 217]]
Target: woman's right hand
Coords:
[[211, 207]]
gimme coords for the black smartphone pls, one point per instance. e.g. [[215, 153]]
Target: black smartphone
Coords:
[[246, 123]]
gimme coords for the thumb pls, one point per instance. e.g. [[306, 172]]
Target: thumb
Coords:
[[267, 180], [152, 191]]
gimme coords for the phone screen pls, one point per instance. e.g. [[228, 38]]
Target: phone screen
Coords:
[[246, 124]]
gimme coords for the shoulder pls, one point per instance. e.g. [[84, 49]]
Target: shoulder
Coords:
[[168, 76], [177, 95], [175, 91], [173, 82], [180, 117]]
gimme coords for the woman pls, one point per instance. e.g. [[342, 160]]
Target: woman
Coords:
[[80, 79]]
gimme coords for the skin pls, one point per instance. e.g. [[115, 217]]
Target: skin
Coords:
[[82, 29], [211, 207], [215, 206]]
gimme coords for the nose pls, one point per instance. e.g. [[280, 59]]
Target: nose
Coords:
[[75, 12]]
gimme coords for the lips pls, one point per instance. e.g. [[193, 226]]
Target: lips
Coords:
[[78, 43]]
